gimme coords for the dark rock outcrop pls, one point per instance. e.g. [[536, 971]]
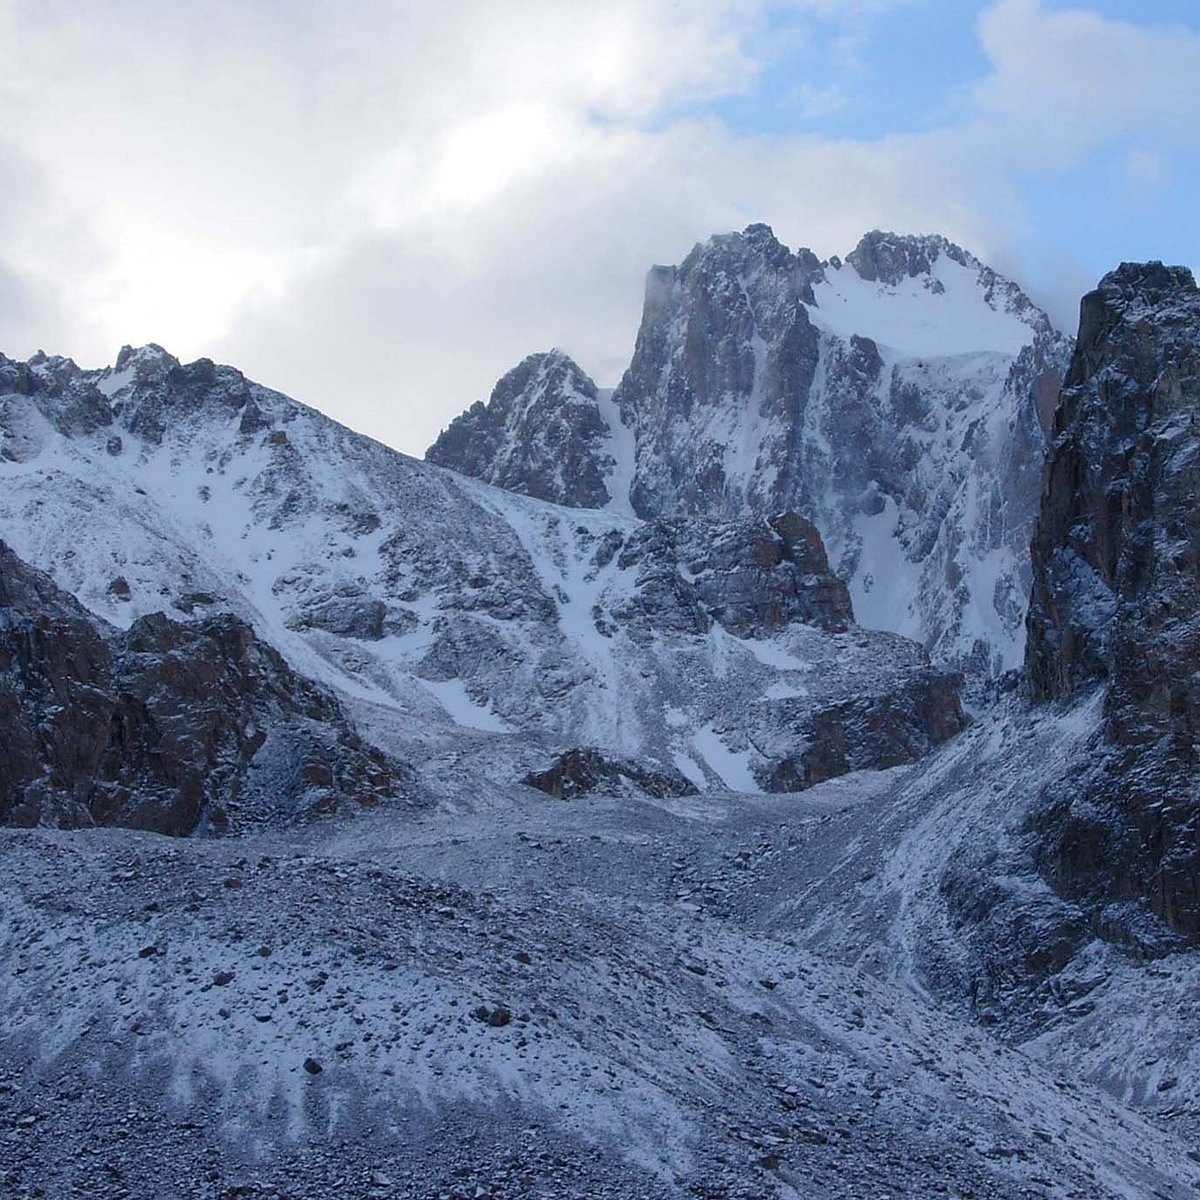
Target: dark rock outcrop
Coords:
[[1116, 602], [870, 732], [540, 434], [167, 727], [66, 396], [1118, 538], [346, 614], [751, 577], [147, 388], [166, 391], [585, 770]]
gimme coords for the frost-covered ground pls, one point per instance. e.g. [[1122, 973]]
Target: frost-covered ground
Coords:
[[725, 994]]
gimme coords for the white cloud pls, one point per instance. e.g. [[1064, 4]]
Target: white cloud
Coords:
[[212, 151], [1065, 79], [1147, 174], [379, 207]]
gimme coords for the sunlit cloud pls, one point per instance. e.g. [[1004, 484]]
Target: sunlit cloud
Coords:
[[380, 207]]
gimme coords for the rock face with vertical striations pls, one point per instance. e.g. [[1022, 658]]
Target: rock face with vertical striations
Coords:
[[897, 400], [1116, 601]]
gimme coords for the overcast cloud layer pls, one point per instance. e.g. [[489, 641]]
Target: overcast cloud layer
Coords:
[[380, 207]]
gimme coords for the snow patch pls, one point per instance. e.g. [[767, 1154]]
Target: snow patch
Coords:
[[732, 767], [915, 318], [622, 447], [452, 695]]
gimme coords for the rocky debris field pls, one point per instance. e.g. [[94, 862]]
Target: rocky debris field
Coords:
[[592, 997]]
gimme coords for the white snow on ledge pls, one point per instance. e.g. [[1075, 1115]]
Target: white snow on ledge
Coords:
[[731, 766], [913, 319], [451, 694], [113, 381]]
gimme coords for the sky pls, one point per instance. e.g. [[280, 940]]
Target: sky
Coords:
[[380, 206]]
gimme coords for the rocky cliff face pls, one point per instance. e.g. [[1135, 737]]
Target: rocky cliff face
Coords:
[[895, 399], [540, 434], [168, 727], [898, 400], [1116, 601]]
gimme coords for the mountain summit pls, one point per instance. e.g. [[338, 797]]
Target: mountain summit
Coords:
[[898, 399], [542, 433]]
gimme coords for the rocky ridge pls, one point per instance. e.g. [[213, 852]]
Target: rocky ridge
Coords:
[[1116, 605], [454, 618]]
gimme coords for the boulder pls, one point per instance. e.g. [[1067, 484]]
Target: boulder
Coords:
[[582, 771]]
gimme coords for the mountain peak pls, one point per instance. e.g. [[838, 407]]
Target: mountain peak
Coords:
[[1147, 283], [552, 369], [889, 258], [758, 233], [765, 380], [131, 357], [540, 433], [755, 246], [141, 364]]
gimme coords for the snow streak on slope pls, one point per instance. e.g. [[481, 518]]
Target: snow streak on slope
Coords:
[[963, 563], [623, 452]]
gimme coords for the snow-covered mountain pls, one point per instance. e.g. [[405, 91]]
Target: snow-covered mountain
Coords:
[[899, 400], [447, 612], [710, 893]]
